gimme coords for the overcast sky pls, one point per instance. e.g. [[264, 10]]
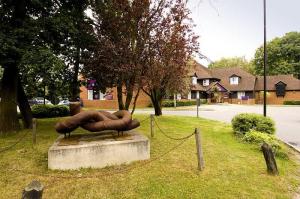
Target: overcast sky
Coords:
[[230, 28]]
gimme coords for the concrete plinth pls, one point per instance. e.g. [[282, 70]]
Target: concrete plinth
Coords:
[[98, 150]]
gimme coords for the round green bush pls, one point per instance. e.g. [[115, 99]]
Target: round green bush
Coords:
[[47, 111], [244, 122]]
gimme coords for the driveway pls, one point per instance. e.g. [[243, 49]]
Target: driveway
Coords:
[[287, 118]]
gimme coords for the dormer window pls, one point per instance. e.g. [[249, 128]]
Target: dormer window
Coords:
[[280, 89], [234, 80], [194, 80], [205, 82]]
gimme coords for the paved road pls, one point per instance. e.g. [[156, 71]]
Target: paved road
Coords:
[[287, 118]]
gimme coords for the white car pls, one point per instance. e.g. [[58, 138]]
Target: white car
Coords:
[[64, 102]]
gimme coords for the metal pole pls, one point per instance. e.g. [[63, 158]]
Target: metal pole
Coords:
[[265, 61], [197, 108]]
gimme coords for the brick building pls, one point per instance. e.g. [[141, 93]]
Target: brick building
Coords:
[[231, 85], [235, 85], [92, 97]]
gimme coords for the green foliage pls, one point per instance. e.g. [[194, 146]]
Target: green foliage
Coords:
[[293, 102], [259, 138], [1, 73], [40, 70], [283, 56], [48, 111], [244, 122], [170, 103], [233, 62]]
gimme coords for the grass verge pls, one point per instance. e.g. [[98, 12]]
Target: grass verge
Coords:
[[233, 169]]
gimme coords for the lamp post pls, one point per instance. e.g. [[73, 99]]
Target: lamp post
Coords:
[[265, 61]]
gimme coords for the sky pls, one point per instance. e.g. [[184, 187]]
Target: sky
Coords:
[[229, 28]]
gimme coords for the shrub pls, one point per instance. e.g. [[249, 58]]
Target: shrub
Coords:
[[291, 102], [170, 103], [46, 111], [259, 138], [244, 122]]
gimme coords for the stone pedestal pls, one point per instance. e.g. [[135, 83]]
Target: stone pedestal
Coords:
[[98, 150]]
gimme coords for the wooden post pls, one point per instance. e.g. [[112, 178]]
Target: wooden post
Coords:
[[33, 191], [199, 150], [34, 130], [269, 158], [152, 125]]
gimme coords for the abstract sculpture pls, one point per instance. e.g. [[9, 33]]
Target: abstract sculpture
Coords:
[[95, 121]]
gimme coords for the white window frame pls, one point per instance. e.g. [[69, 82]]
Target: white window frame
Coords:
[[194, 80], [101, 96], [241, 94], [206, 82], [90, 95], [234, 80]]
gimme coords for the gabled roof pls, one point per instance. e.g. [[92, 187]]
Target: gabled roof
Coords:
[[291, 82], [246, 81], [201, 71], [214, 84]]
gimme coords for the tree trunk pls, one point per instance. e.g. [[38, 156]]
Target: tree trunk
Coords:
[[8, 104], [135, 100], [156, 102], [129, 94], [120, 96], [75, 85], [24, 106]]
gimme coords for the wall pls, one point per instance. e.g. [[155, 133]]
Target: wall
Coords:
[[143, 100], [273, 99]]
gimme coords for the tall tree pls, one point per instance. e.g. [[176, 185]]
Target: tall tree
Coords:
[[170, 47], [241, 62], [71, 36], [21, 27], [118, 55], [283, 56]]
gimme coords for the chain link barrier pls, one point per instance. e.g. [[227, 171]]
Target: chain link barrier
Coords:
[[110, 173], [106, 174], [3, 149], [170, 137]]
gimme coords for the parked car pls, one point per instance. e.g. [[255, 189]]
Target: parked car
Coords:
[[38, 100], [64, 102]]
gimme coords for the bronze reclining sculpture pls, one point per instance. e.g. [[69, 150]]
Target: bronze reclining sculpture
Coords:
[[95, 121]]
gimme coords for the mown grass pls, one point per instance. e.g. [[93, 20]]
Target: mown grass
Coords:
[[232, 169]]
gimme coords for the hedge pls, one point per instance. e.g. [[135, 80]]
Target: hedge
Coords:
[[244, 122], [47, 111], [291, 102], [170, 103], [259, 138]]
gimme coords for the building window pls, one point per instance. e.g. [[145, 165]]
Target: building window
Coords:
[[234, 80], [194, 80], [90, 95], [194, 94], [240, 95], [280, 89], [205, 82]]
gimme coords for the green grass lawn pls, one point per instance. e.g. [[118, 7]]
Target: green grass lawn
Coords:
[[232, 169]]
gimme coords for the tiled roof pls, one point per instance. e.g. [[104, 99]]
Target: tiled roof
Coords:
[[291, 82], [197, 87], [246, 82], [201, 71]]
